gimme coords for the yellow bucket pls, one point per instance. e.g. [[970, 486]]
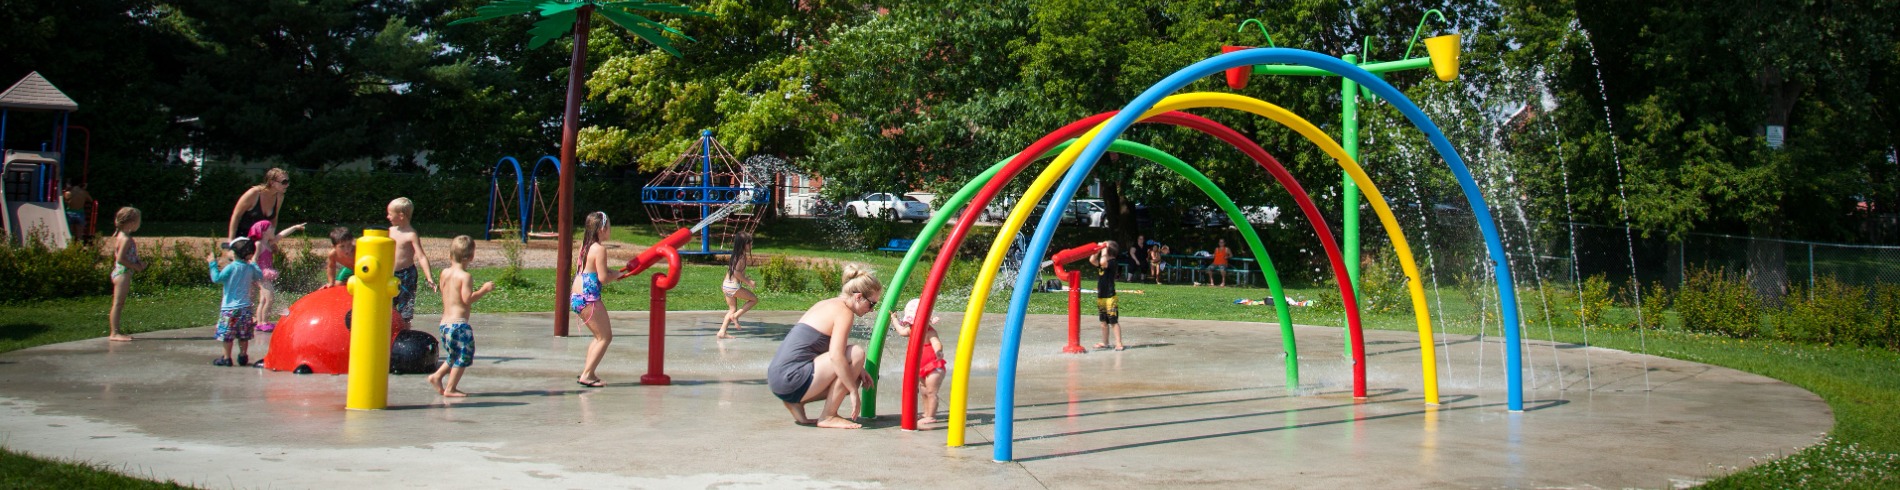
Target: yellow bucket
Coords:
[[1444, 53]]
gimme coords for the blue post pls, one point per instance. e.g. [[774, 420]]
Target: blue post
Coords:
[[705, 183], [1113, 128]]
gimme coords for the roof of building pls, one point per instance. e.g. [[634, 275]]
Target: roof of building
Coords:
[[35, 93]]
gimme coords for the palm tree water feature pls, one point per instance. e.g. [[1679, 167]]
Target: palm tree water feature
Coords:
[[557, 17]]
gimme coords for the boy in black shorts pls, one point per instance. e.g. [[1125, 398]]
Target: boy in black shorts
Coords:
[[1108, 312]]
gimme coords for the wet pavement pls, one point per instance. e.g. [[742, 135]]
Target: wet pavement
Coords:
[[1189, 403]]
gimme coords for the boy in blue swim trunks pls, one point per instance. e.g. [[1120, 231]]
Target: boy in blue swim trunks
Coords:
[[408, 253], [458, 338], [234, 315]]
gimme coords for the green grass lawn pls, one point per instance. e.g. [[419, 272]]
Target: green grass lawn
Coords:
[[1863, 450]]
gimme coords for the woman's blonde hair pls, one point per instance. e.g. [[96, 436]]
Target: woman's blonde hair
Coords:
[[126, 214], [861, 279], [272, 175]]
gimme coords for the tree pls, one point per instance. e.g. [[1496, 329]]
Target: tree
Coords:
[[749, 80], [556, 17]]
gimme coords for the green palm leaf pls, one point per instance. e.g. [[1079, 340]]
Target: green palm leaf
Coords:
[[656, 7], [558, 16], [551, 27], [640, 20], [502, 8], [555, 7], [632, 23]]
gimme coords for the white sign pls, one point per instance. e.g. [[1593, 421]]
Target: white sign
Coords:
[[1776, 134]]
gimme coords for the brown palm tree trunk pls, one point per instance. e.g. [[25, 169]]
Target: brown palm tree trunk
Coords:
[[570, 135]]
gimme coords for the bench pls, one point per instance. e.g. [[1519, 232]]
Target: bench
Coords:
[[897, 245]]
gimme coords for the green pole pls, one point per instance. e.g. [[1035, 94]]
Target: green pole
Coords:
[[1349, 201]]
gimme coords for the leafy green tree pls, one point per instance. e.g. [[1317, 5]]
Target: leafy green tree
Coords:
[[749, 80]]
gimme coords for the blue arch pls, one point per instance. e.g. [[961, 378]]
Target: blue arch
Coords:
[[494, 194], [1111, 130]]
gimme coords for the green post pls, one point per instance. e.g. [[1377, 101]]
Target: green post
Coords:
[[1349, 202]]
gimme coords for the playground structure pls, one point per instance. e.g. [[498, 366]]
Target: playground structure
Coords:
[[702, 183], [1152, 103], [30, 205], [1074, 280], [527, 201]]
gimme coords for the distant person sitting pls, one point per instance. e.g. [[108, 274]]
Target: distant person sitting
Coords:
[[78, 201]]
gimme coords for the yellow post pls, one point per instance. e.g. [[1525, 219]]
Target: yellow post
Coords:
[[372, 289]]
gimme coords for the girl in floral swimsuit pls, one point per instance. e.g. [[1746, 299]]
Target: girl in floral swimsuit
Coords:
[[591, 274]]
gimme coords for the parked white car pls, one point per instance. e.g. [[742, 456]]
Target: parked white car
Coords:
[[888, 206]]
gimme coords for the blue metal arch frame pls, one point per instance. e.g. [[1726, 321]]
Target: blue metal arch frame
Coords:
[[494, 194], [1113, 128]]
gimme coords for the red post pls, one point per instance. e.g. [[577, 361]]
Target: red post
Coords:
[[1074, 279], [1075, 314], [662, 282]]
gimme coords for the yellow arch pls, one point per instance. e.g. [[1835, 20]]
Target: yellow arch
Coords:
[[979, 294]]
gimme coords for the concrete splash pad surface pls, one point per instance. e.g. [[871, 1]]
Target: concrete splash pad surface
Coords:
[[1190, 402]]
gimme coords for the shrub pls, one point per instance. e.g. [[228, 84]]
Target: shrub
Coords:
[[1714, 301], [1886, 311], [179, 265], [511, 274], [1831, 312], [1655, 300], [1593, 299], [830, 275], [1382, 286], [301, 269], [33, 271], [782, 276]]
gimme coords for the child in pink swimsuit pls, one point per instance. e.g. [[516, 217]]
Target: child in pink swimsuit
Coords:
[[930, 365]]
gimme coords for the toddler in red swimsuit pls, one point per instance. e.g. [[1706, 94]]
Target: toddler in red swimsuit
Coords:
[[930, 367]]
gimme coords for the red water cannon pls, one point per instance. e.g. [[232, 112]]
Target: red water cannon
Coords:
[[667, 249], [1074, 278]]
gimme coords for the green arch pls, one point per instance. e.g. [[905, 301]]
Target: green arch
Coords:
[[894, 291]]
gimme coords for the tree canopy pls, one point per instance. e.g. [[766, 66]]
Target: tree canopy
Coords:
[[1654, 114]]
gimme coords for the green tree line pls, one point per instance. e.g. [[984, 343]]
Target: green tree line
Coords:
[[1612, 112]]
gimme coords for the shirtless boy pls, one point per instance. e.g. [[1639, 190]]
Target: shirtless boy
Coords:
[[408, 252], [458, 338]]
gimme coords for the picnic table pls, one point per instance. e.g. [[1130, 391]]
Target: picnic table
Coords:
[[1194, 266]]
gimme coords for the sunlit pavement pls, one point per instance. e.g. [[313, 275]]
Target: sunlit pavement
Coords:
[[1190, 402]]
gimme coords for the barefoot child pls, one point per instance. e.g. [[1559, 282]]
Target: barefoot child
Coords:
[[408, 252], [590, 274], [264, 235], [930, 367], [125, 261], [458, 338], [234, 316], [736, 283], [341, 263], [1109, 312]]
